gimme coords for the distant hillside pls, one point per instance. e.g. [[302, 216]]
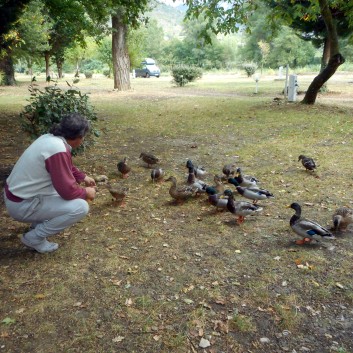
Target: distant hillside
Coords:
[[169, 18]]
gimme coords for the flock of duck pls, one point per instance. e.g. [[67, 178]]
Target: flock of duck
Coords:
[[223, 198]]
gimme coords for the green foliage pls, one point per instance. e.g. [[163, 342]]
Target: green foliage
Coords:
[[184, 74], [49, 106], [88, 74], [1, 78], [107, 73], [249, 68]]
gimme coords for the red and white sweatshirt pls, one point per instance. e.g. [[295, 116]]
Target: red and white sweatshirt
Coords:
[[45, 168]]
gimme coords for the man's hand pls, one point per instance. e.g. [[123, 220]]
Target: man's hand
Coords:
[[89, 181], [90, 193]]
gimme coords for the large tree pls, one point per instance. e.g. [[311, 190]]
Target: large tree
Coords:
[[225, 16], [10, 11], [124, 15]]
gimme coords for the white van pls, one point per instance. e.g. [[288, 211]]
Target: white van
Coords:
[[148, 68]]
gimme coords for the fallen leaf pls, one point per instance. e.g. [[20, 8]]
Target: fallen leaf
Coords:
[[8, 321], [339, 285], [204, 343], [128, 302], [40, 296], [188, 301], [118, 339]]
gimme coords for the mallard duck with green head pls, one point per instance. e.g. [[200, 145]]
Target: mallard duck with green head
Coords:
[[196, 183], [240, 208], [245, 180], [216, 199], [306, 228], [254, 194], [182, 192], [200, 172]]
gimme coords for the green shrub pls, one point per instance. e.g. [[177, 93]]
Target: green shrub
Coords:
[[49, 106], [249, 68], [184, 74], [88, 74], [106, 73], [1, 78]]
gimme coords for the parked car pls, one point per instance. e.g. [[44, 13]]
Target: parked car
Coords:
[[148, 68]]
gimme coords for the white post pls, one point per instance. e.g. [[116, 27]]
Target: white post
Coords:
[[292, 88], [256, 77], [280, 72], [286, 83]]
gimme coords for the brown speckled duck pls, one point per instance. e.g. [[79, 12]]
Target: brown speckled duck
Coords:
[[182, 192], [308, 163], [124, 168], [118, 192], [342, 218], [149, 158]]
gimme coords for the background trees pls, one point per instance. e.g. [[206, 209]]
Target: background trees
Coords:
[[224, 16], [267, 32]]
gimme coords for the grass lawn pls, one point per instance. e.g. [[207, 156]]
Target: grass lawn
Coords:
[[156, 276]]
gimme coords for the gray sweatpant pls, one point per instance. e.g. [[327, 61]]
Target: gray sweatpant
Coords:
[[49, 215]]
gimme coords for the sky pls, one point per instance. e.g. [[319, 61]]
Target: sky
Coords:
[[172, 3]]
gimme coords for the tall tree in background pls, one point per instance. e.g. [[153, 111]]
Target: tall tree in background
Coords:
[[69, 24], [10, 11], [33, 28], [225, 16], [124, 15]]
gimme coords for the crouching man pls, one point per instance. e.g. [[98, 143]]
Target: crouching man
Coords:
[[44, 189]]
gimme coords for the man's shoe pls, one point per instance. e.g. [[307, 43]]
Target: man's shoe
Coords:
[[44, 246]]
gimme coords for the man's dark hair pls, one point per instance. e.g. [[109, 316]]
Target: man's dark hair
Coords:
[[71, 126]]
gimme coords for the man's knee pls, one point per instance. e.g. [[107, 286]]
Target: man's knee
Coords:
[[82, 207]]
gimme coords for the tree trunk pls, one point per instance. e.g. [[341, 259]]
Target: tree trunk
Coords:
[[320, 79], [326, 54], [121, 59], [6, 67], [47, 64], [336, 58], [59, 66]]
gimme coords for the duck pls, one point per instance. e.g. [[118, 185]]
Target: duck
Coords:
[[180, 193], [118, 192], [216, 199], [228, 170], [219, 186], [240, 208], [254, 194], [157, 174], [239, 180], [124, 168], [307, 228], [200, 172], [342, 218], [245, 180], [307, 162], [149, 158], [196, 183]]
